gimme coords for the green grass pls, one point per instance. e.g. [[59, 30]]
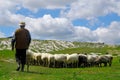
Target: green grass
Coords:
[[7, 71], [6, 54], [103, 50]]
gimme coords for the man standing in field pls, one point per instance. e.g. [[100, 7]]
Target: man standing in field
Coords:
[[21, 42]]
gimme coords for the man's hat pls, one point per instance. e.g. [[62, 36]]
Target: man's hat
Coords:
[[22, 23]]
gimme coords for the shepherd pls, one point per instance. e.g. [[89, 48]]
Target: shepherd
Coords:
[[21, 41]]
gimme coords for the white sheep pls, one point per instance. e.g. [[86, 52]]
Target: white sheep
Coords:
[[73, 59], [30, 58], [91, 59], [60, 60], [51, 60], [63, 60], [39, 60], [44, 58]]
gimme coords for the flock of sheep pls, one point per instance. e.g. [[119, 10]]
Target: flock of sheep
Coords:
[[67, 60]]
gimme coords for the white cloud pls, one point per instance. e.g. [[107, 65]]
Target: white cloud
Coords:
[[82, 33], [2, 35], [47, 27], [50, 28], [110, 34], [8, 4], [10, 19], [7, 12], [62, 29], [8, 8], [90, 9], [78, 8], [48, 4]]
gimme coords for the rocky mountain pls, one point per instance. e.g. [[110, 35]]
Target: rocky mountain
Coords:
[[50, 45]]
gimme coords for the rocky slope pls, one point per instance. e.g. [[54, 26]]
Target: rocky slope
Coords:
[[50, 45]]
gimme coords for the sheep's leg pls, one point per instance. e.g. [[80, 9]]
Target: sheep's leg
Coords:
[[64, 65], [54, 64], [105, 64], [100, 64], [65, 62], [110, 63], [49, 62], [77, 64], [27, 67]]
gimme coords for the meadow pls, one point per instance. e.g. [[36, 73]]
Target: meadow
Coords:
[[8, 72]]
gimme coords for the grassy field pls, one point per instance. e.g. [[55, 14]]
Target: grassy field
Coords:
[[8, 66]]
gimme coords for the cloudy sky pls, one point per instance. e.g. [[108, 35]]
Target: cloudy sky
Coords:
[[70, 20]]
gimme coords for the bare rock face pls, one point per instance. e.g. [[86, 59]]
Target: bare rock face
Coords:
[[49, 45]]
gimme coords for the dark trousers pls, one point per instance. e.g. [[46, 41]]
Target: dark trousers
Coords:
[[21, 57]]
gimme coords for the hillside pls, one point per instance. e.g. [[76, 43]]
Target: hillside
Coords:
[[8, 64], [51, 45]]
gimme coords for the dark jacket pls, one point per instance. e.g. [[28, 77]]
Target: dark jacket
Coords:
[[21, 39]]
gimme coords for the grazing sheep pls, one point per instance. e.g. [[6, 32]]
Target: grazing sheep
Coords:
[[73, 59], [60, 60], [44, 58], [67, 60], [110, 58], [82, 60], [51, 60], [91, 59], [39, 60], [104, 59], [30, 58]]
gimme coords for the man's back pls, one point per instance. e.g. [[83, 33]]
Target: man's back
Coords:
[[22, 38]]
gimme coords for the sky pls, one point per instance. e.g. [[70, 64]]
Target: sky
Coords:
[[69, 20]]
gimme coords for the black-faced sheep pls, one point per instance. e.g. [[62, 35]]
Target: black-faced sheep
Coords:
[[104, 59], [82, 60]]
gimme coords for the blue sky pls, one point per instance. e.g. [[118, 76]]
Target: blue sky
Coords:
[[102, 21], [96, 21]]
